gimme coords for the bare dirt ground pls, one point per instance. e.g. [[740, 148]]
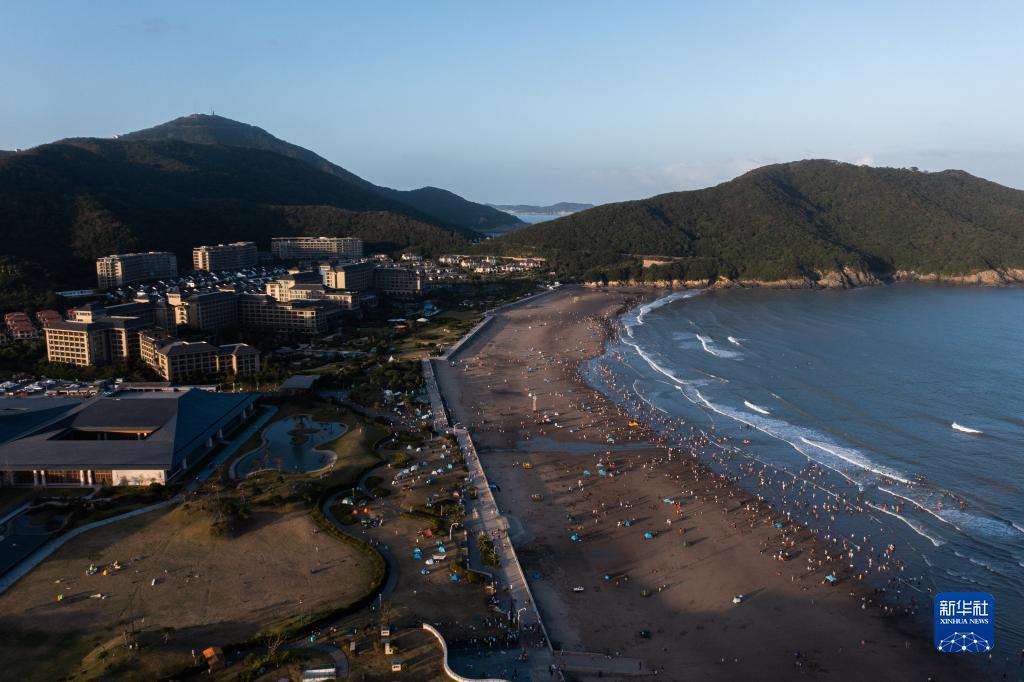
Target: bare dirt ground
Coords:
[[686, 626], [208, 591]]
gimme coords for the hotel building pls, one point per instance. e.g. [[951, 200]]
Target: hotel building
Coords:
[[350, 276], [313, 248], [311, 316], [216, 257], [211, 311], [120, 269]]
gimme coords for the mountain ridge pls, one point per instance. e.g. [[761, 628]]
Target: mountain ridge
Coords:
[[439, 204], [65, 203], [792, 221]]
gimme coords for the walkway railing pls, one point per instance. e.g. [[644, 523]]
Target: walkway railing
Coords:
[[444, 660]]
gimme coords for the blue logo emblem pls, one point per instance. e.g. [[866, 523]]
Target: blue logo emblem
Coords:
[[965, 622]]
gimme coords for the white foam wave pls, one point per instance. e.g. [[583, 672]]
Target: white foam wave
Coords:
[[644, 398], [642, 311], [849, 463], [756, 408], [916, 527], [857, 459], [963, 521], [709, 346], [995, 529], [734, 341], [964, 429]]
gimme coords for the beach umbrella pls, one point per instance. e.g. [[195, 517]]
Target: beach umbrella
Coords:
[[648, 535], [586, 472], [574, 537]]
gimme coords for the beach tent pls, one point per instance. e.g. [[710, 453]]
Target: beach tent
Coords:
[[574, 537]]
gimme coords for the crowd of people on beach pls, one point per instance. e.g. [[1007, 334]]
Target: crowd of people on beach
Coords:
[[803, 514]]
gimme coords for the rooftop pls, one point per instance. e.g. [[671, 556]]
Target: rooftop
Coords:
[[134, 430]]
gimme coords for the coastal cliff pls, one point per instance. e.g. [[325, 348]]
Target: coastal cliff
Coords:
[[846, 278]]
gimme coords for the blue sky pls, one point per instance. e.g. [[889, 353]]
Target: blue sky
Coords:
[[538, 102]]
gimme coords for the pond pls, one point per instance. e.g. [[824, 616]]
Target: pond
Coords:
[[25, 533], [290, 445]]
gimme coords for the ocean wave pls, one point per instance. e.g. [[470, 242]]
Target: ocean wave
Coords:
[[708, 344], [756, 408], [995, 529], [964, 429], [916, 527], [855, 458], [734, 341], [963, 521], [644, 398], [642, 311], [840, 459]]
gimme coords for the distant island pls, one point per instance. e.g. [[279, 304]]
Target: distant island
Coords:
[[813, 223], [561, 208]]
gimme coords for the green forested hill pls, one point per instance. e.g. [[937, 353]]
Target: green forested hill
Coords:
[[64, 204], [440, 205], [794, 220]]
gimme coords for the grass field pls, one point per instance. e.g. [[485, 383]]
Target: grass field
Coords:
[[208, 591], [270, 570]]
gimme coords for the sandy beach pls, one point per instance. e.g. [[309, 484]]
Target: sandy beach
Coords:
[[667, 599]]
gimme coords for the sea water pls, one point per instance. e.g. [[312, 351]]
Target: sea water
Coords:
[[907, 399]]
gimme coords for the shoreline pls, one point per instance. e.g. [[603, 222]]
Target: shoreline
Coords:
[[683, 579], [831, 280]]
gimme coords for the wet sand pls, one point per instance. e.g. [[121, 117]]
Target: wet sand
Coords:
[[669, 599]]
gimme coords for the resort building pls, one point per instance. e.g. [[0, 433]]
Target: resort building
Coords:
[[350, 276], [351, 300], [130, 438], [120, 269], [104, 341], [296, 286], [20, 327], [211, 311], [313, 248], [260, 311], [177, 361], [97, 336], [44, 316], [216, 257], [396, 281]]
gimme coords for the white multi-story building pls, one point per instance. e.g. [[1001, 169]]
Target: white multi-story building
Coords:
[[124, 268], [312, 248]]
